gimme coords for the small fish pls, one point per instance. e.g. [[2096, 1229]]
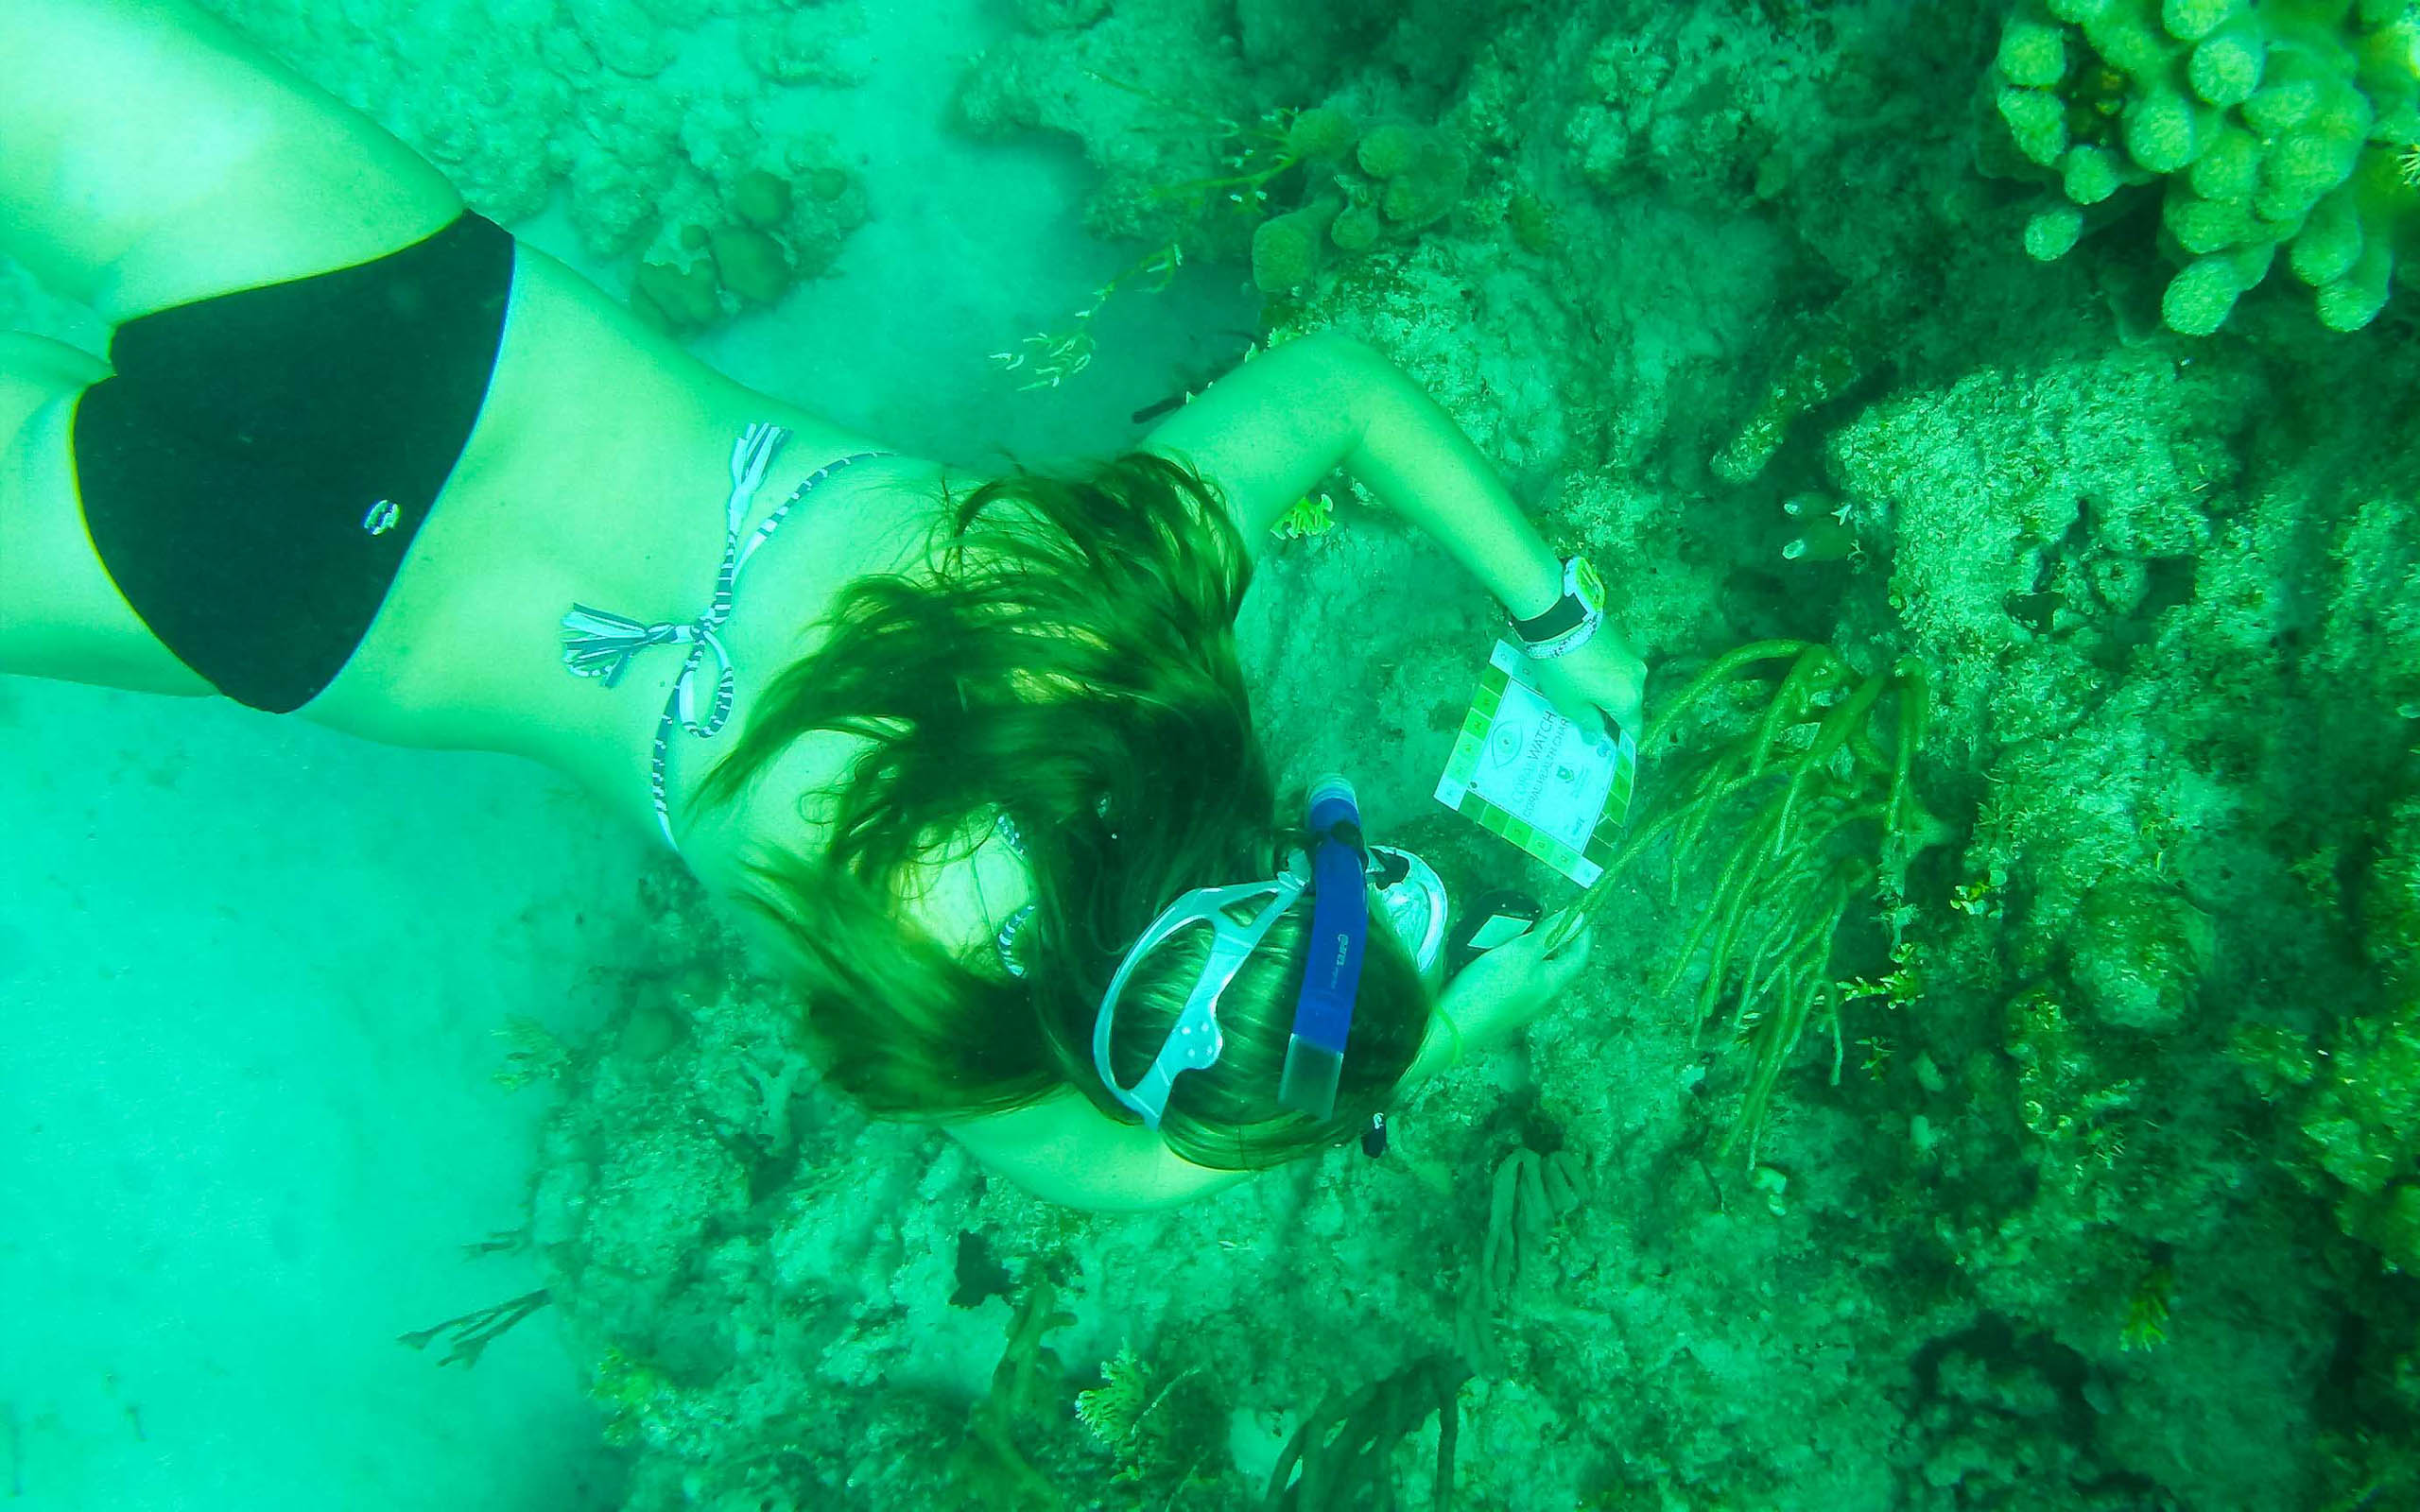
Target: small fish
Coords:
[[1196, 380], [1373, 1139], [1152, 412]]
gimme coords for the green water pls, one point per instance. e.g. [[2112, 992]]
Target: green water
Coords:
[[2041, 1132]]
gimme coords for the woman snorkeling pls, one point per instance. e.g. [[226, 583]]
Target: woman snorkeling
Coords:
[[976, 751]]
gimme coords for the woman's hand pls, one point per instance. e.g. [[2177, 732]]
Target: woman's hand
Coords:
[[1505, 989], [1605, 674]]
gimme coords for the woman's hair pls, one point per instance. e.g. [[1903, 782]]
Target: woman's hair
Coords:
[[1066, 660]]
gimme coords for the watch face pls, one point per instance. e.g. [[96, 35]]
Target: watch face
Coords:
[[1590, 585]]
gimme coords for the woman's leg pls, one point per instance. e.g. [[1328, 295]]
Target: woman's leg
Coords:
[[150, 157], [59, 614]]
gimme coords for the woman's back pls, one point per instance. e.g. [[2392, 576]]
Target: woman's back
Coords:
[[597, 474], [596, 471]]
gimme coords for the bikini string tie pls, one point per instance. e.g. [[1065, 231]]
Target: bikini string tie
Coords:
[[600, 643]]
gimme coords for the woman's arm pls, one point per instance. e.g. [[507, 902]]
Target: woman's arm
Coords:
[[1496, 996], [1063, 1150], [1269, 431]]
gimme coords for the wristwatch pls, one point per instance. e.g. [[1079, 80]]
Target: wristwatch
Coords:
[[1573, 619]]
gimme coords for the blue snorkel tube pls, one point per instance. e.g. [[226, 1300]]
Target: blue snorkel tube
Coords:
[[1338, 872], [1332, 969]]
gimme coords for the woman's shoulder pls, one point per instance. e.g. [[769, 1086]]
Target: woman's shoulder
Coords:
[[1062, 1149]]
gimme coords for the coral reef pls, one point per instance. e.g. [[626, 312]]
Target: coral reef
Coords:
[[1199, 156], [2103, 1194], [2265, 129], [721, 197], [2106, 1194]]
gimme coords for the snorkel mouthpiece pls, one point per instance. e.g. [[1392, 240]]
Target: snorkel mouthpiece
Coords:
[[1332, 969]]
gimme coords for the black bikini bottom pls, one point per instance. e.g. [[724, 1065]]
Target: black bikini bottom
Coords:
[[254, 472]]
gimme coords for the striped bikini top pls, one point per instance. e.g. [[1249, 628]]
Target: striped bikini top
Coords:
[[600, 643]]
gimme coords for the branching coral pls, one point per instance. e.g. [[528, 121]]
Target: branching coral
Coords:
[[1530, 1195], [988, 1468], [467, 1337], [1817, 799], [1131, 1416], [1341, 1456]]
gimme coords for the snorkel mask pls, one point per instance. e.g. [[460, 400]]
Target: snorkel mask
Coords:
[[1338, 873]]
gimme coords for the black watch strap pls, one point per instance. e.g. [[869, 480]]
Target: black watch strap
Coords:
[[1565, 616]]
